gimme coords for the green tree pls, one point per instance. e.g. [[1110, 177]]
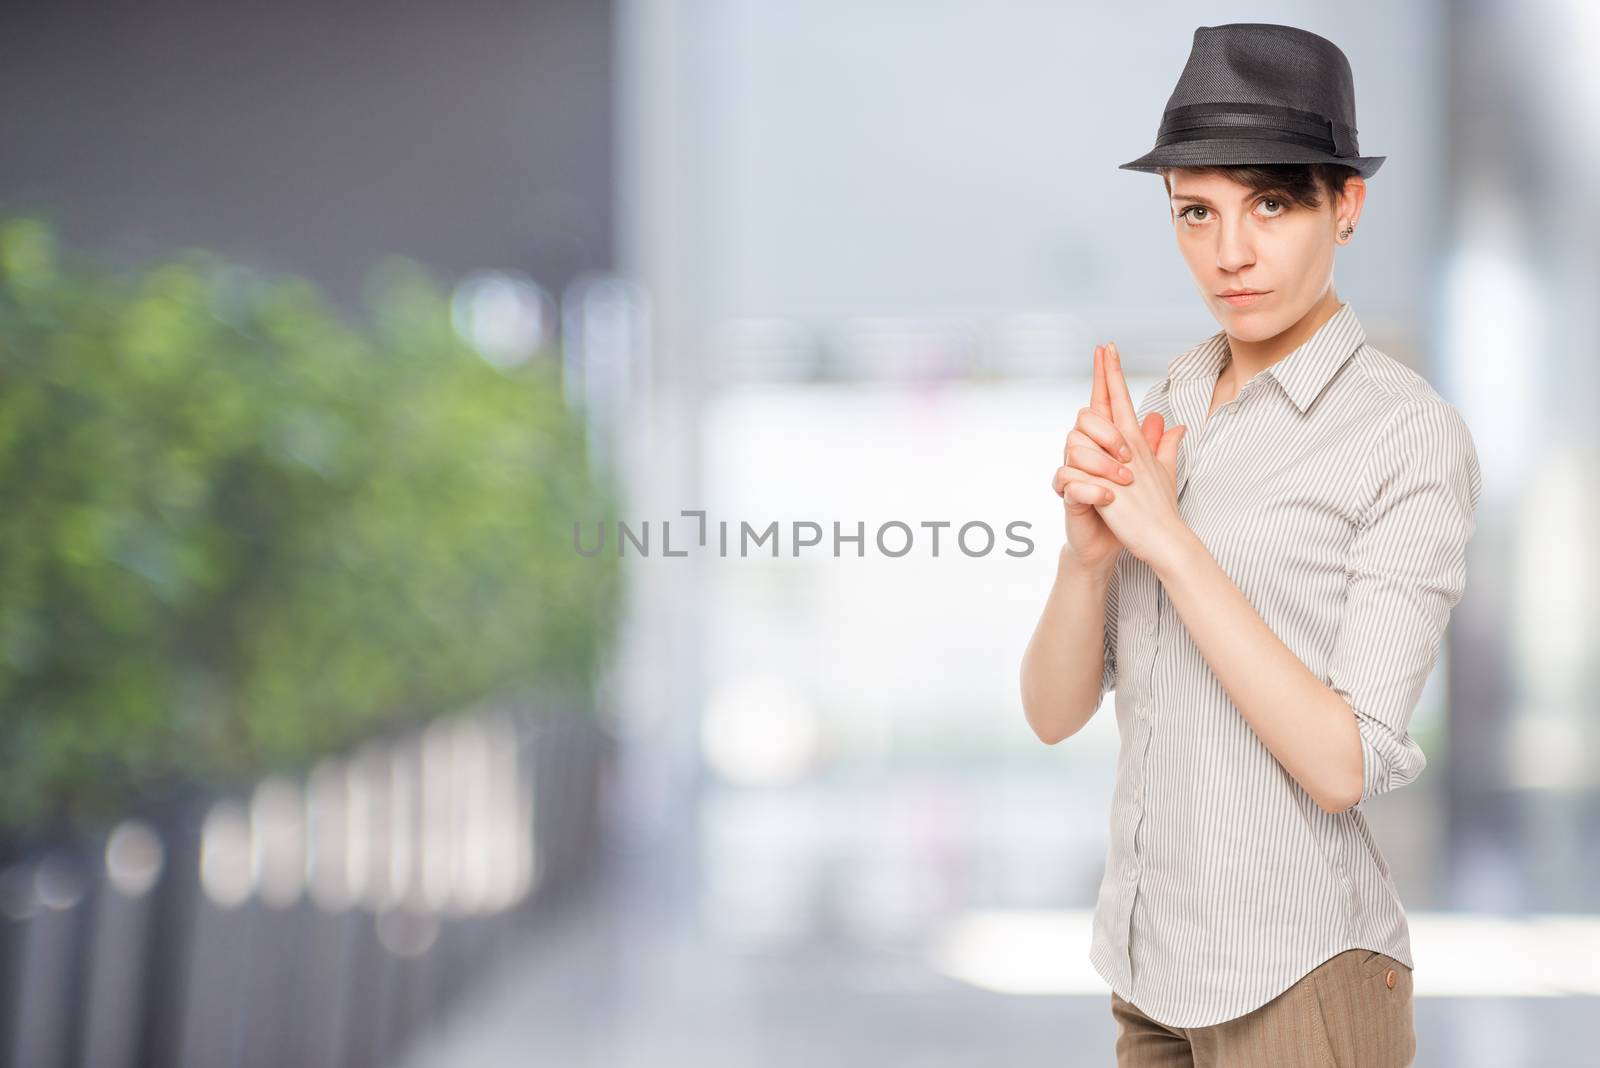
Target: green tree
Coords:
[[238, 532]]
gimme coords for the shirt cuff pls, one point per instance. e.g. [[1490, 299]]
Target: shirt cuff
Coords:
[[1388, 760]]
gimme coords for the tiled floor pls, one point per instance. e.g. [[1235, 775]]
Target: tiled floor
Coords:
[[623, 981]]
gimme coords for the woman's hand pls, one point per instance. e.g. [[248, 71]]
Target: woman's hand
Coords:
[[1092, 447], [1142, 514]]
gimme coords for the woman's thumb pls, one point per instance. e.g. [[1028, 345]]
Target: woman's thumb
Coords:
[[1168, 452]]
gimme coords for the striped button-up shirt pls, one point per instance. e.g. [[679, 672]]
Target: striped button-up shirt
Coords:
[[1337, 490]]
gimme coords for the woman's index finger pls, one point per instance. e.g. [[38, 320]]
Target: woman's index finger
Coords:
[[1122, 409], [1100, 395]]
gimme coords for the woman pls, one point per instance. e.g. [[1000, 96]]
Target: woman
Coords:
[[1270, 545]]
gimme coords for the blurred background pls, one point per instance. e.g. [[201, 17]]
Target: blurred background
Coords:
[[379, 383]]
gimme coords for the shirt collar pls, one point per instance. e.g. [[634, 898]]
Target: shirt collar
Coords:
[[1302, 373]]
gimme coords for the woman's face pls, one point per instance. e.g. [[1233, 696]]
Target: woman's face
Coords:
[[1234, 238]]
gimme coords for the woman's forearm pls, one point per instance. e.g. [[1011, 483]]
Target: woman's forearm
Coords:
[[1308, 727], [1065, 658]]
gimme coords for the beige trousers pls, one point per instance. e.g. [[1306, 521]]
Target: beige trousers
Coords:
[[1351, 1011]]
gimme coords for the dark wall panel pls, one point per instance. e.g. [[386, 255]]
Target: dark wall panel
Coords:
[[316, 137]]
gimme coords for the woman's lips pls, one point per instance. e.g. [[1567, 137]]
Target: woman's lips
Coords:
[[1242, 299]]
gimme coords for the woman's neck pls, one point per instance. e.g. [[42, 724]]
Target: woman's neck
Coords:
[[1249, 358]]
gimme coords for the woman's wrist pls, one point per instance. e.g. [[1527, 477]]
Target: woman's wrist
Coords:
[[1068, 565], [1181, 553]]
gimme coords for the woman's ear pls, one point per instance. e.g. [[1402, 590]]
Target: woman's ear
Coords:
[[1351, 200]]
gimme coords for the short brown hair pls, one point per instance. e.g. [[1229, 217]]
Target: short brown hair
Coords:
[[1299, 183]]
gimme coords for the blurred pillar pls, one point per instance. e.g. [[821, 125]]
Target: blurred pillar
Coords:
[[1514, 335], [662, 231]]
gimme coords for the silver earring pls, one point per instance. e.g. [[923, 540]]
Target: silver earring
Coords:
[[1344, 235]]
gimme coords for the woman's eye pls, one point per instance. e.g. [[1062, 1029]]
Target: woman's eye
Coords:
[[1196, 219]]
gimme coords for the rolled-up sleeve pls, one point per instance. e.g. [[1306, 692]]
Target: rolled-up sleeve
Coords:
[[1405, 571]]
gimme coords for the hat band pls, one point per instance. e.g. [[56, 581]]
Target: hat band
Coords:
[[1257, 122]]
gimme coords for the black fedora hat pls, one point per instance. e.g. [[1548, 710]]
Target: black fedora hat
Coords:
[[1255, 92]]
